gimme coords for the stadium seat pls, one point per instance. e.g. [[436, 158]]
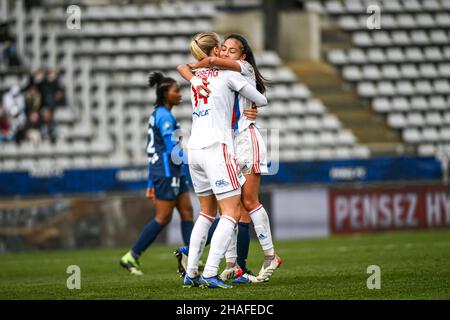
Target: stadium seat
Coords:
[[400, 104], [441, 86], [312, 123], [382, 105], [310, 139], [412, 135], [346, 137], [414, 54], [415, 119], [366, 89], [362, 39], [438, 103], [327, 138], [307, 154], [330, 122], [419, 103], [433, 118], [396, 120], [390, 72], [382, 38], [404, 87], [428, 70], [425, 150], [315, 106], [352, 73], [423, 87], [300, 91], [430, 134], [432, 54], [444, 134], [295, 107], [343, 153], [337, 57], [325, 154], [357, 56], [376, 55], [409, 71], [386, 88], [360, 151], [395, 55], [371, 72]]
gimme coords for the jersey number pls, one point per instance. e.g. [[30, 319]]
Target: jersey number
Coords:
[[198, 96], [151, 141], [175, 182]]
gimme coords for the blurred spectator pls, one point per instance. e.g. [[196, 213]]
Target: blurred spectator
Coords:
[[33, 99], [4, 125], [14, 105], [30, 4], [56, 96], [8, 50], [30, 115], [33, 128], [48, 126]]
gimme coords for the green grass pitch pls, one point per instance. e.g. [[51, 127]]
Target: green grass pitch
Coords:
[[414, 265]]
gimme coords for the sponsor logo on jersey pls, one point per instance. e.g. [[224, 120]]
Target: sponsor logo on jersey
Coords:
[[222, 183], [201, 113]]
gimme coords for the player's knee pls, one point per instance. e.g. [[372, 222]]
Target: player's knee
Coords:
[[250, 203], [163, 219], [187, 214]]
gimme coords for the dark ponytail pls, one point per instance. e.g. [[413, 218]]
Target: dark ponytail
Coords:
[[162, 86], [261, 82]]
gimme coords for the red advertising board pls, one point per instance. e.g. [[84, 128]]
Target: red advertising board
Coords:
[[393, 208]]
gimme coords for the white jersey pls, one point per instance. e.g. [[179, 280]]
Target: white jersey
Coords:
[[212, 116], [242, 103]]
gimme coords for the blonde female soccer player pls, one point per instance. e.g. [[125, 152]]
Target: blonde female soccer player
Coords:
[[215, 175]]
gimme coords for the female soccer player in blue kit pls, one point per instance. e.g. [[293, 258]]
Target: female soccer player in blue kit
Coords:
[[167, 185]]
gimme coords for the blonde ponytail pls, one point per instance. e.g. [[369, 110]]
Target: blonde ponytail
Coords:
[[202, 44]]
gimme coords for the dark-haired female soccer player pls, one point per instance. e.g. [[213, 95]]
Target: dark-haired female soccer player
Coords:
[[237, 55], [167, 185]]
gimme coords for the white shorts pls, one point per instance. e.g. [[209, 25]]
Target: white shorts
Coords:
[[251, 152], [214, 168]]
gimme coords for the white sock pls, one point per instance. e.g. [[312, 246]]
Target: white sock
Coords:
[[197, 243], [219, 245], [262, 228], [231, 254]]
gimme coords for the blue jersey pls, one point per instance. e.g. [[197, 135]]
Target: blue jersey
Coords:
[[161, 141]]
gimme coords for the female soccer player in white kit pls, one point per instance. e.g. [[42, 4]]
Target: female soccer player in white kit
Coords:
[[237, 55], [212, 164]]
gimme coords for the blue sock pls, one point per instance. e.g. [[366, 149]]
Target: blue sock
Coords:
[[211, 231], [148, 235], [243, 244], [186, 230]]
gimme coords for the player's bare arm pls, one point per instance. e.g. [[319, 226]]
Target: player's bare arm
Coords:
[[201, 87], [216, 62]]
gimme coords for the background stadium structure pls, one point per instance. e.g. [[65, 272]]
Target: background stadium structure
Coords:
[[362, 113]]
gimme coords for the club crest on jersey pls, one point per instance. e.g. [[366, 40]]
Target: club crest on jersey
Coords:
[[201, 113], [167, 125], [222, 183]]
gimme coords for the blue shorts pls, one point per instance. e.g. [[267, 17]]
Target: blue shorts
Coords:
[[170, 188]]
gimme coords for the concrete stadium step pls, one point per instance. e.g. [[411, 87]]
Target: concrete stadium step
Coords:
[[355, 113]]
